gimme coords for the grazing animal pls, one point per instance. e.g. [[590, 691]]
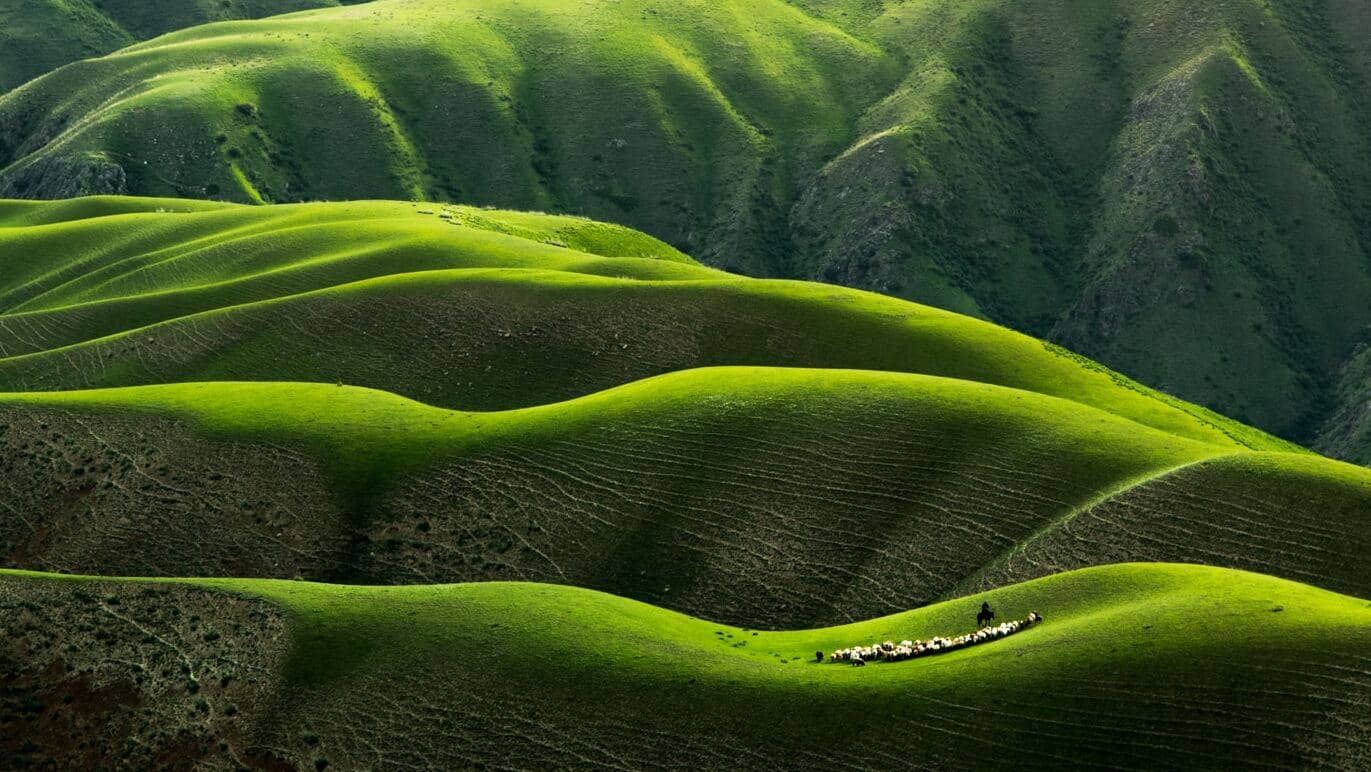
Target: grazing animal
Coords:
[[890, 651], [985, 616]]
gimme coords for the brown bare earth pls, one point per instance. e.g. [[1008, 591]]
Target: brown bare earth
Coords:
[[142, 495], [123, 676]]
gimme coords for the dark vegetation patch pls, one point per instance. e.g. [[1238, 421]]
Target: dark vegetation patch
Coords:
[[146, 496], [115, 675]]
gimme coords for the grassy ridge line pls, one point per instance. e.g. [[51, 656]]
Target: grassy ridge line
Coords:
[[38, 37], [28, 332], [1024, 547], [132, 247], [16, 213], [1145, 181], [1252, 506], [1177, 641], [663, 324], [357, 428], [756, 494]]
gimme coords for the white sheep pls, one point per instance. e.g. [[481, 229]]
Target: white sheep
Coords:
[[909, 649]]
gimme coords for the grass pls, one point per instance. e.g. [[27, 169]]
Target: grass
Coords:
[[575, 420], [756, 495], [548, 398], [1172, 190], [1136, 665], [38, 37], [544, 308]]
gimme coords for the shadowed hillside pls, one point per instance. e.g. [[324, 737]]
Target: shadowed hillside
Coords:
[[601, 410], [1136, 666], [1178, 191], [38, 36], [463, 308], [774, 497]]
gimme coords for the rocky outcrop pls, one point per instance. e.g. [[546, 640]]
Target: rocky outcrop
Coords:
[[50, 177]]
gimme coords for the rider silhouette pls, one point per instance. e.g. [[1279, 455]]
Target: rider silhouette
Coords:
[[986, 614]]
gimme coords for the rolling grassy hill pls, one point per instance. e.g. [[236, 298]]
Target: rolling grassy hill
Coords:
[[453, 486], [38, 36], [1177, 191], [469, 309], [594, 408], [1136, 666], [777, 497]]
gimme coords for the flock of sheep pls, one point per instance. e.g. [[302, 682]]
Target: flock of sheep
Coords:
[[897, 652]]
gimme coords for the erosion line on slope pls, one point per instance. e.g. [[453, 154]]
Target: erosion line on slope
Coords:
[[967, 586]]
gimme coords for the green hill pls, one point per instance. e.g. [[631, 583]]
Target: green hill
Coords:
[[38, 36], [1135, 666], [756, 496], [430, 483], [594, 408], [462, 308], [1177, 191]]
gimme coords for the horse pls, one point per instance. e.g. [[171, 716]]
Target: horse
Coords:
[[983, 618]]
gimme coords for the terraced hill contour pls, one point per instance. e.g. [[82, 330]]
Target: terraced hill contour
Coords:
[[1136, 666], [483, 310], [1176, 190], [603, 412], [755, 496]]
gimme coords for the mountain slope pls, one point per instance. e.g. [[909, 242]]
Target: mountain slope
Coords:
[[1177, 191], [482, 310], [761, 450], [38, 36], [758, 496], [1136, 665]]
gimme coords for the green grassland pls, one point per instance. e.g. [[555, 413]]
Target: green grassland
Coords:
[[552, 399], [751, 495], [448, 485], [38, 36], [1136, 666], [1178, 191], [462, 308]]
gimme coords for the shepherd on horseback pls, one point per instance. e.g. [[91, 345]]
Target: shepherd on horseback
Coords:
[[983, 618]]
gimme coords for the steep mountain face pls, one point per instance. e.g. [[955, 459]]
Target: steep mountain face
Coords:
[[1176, 190], [38, 36]]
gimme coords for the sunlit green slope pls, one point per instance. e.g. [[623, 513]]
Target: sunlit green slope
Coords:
[[463, 308], [597, 409], [1177, 190], [38, 36], [1136, 666], [755, 495]]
